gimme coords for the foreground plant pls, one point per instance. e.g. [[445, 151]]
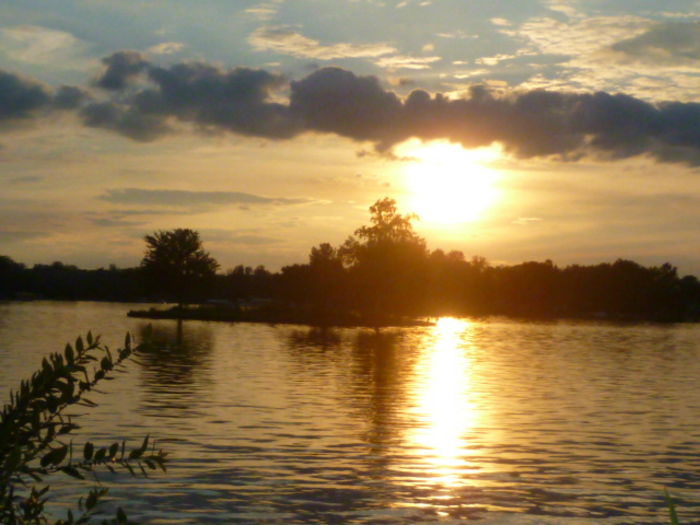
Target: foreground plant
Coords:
[[34, 433], [673, 515]]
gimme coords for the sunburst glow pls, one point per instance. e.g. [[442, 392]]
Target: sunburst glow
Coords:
[[448, 184]]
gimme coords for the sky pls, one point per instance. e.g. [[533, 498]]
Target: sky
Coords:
[[516, 131]]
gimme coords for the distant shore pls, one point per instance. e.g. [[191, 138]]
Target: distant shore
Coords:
[[276, 316]]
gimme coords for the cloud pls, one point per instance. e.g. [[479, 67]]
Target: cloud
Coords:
[[20, 98], [640, 57], [461, 35], [265, 10], [578, 36], [145, 101], [183, 198], [115, 223], [664, 45], [285, 40], [528, 124], [566, 7], [20, 236], [501, 22], [526, 221], [407, 62], [125, 120], [26, 179], [166, 48], [493, 60], [236, 100], [23, 99], [43, 46], [337, 101], [237, 237], [120, 68], [634, 54], [70, 97]]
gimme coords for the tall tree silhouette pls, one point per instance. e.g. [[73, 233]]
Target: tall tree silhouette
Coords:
[[387, 262], [176, 263]]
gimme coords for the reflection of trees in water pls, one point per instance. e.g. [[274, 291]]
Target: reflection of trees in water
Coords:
[[377, 368], [176, 365], [381, 374], [314, 339]]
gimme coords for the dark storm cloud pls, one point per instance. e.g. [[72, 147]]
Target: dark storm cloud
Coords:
[[120, 68], [144, 101], [337, 101], [23, 99], [124, 119], [333, 100], [237, 100], [528, 124], [20, 98], [70, 97], [179, 198]]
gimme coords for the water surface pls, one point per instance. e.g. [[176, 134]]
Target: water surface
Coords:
[[488, 420]]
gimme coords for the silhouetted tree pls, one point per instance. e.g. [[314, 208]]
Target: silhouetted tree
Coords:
[[387, 262], [381, 271], [176, 263], [11, 276], [327, 279]]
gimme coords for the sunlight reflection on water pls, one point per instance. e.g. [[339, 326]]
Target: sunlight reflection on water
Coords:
[[442, 405], [498, 421]]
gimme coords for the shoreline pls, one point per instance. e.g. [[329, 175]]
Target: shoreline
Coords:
[[233, 315], [347, 320]]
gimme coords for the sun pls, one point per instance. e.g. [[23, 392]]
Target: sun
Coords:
[[449, 185]]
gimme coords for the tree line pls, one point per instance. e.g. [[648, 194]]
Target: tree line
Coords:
[[384, 268]]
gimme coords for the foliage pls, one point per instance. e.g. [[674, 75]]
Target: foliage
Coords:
[[176, 262], [673, 515], [34, 432], [383, 268], [387, 261]]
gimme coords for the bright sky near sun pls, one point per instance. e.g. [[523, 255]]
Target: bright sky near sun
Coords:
[[526, 130]]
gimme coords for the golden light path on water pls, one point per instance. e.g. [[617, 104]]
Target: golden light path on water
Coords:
[[443, 406]]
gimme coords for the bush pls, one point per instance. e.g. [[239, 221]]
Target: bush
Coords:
[[34, 430]]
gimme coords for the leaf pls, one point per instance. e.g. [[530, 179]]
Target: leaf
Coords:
[[14, 460], [91, 500], [54, 457], [100, 456], [671, 508], [88, 450], [70, 357], [73, 472], [144, 445], [66, 429]]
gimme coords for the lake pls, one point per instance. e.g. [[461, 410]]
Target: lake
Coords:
[[496, 421]]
